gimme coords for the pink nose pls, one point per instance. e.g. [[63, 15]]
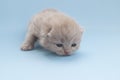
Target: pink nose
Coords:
[[66, 52]]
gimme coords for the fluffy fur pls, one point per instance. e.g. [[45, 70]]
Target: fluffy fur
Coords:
[[54, 31]]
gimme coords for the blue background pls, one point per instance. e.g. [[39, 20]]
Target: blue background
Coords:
[[98, 58]]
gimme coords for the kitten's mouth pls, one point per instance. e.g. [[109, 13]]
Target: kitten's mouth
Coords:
[[65, 53]]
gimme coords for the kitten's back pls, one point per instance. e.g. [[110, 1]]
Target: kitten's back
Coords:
[[63, 25], [56, 18], [51, 18]]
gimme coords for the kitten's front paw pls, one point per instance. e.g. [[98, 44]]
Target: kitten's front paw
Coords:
[[26, 47]]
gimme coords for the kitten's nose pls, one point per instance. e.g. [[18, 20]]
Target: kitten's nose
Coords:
[[66, 52]]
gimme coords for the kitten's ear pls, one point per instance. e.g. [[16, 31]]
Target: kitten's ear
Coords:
[[49, 32], [82, 30], [46, 32]]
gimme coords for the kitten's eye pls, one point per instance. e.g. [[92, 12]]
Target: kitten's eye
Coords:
[[59, 45], [74, 44]]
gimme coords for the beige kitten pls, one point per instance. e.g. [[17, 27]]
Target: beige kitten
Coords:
[[54, 31]]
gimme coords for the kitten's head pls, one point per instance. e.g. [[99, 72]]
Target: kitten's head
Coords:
[[63, 40]]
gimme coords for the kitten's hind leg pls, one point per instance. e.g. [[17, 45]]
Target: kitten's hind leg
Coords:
[[28, 44]]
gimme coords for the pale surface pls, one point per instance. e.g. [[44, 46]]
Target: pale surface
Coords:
[[98, 58]]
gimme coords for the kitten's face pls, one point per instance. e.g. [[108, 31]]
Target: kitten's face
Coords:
[[63, 47], [63, 42]]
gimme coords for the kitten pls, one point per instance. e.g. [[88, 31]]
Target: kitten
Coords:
[[54, 31]]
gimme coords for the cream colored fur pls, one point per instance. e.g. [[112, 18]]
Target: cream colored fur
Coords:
[[51, 27]]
